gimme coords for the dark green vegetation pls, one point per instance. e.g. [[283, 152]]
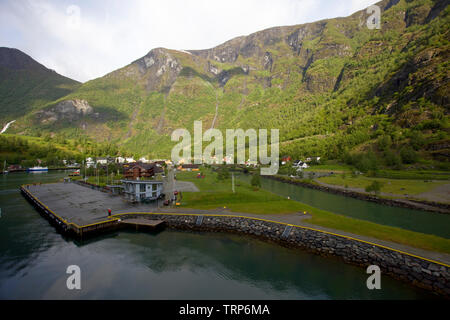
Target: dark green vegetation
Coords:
[[335, 89], [26, 85], [26, 150]]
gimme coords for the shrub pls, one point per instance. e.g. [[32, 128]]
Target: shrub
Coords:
[[256, 181], [392, 159], [408, 155], [384, 143], [222, 173], [374, 187]]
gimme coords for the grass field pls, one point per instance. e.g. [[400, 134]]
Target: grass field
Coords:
[[331, 167], [394, 186], [216, 194]]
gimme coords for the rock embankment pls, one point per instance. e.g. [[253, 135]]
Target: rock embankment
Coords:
[[420, 272]]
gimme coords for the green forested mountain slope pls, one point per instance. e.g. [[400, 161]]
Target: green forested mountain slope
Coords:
[[333, 88], [26, 85]]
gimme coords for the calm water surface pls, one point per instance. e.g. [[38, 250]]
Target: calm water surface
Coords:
[[168, 265], [414, 220]]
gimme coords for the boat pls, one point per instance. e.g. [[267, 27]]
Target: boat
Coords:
[[74, 173], [37, 169]]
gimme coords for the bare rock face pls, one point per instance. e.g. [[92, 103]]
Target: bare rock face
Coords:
[[268, 61], [159, 68], [70, 110]]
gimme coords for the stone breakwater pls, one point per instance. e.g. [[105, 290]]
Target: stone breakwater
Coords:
[[417, 271]]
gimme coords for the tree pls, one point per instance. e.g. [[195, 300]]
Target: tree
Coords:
[[392, 159], [374, 187], [256, 181], [384, 143], [408, 155], [223, 174]]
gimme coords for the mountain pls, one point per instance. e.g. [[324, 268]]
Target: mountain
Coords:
[[26, 84], [334, 88]]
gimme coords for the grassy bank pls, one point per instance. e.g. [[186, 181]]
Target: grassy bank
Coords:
[[394, 186], [216, 194]]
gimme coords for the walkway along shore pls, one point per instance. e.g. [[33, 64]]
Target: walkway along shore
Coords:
[[417, 270]]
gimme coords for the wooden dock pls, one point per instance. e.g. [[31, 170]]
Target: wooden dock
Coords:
[[143, 223]]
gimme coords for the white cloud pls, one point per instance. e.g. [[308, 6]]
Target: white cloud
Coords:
[[111, 34]]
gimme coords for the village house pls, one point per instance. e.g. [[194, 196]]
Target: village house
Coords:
[[285, 159], [102, 160], [90, 163], [300, 165], [140, 170], [119, 160], [144, 160]]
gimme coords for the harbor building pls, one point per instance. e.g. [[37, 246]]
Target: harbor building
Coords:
[[142, 190]]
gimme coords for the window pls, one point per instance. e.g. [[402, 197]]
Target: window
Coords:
[[141, 187]]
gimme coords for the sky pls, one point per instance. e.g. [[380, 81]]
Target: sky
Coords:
[[86, 39]]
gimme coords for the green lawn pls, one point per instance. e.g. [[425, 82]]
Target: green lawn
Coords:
[[217, 194], [395, 186], [331, 167]]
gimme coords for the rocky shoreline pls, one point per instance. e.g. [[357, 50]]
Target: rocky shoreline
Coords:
[[409, 204]]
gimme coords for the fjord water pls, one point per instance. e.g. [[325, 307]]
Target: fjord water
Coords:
[[414, 220], [167, 265]]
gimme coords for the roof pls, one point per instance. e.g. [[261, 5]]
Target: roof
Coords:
[[142, 165], [142, 181], [189, 165]]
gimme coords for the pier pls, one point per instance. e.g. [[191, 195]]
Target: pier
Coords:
[[79, 211], [143, 224]]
